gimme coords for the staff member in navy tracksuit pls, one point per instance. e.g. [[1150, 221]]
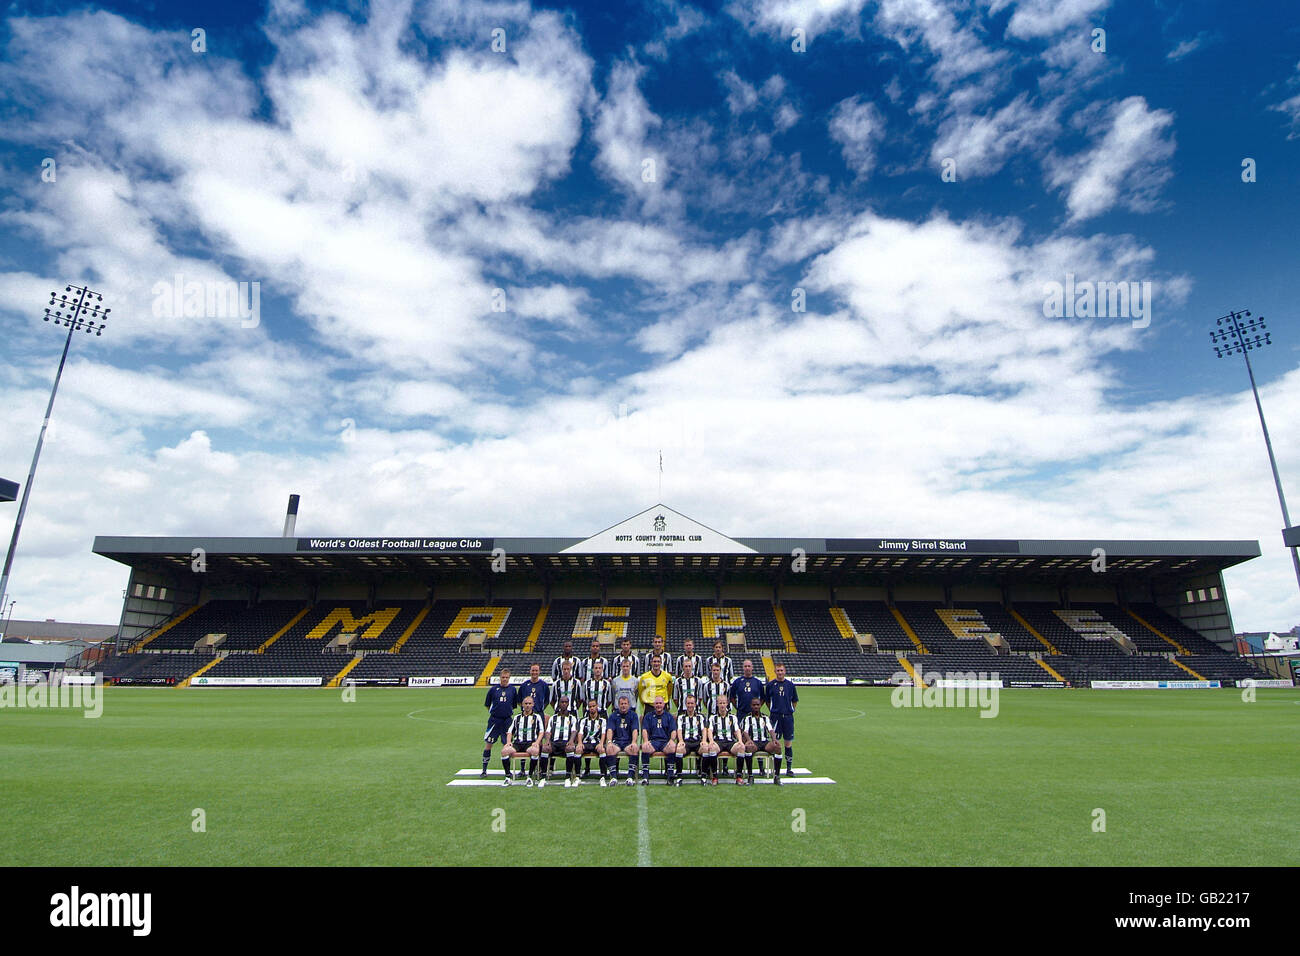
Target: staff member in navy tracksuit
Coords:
[[500, 703]]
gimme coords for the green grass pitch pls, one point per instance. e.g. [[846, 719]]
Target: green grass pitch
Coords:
[[291, 777]]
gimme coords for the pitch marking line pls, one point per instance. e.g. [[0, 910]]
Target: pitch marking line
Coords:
[[470, 778], [642, 830], [857, 714], [555, 785], [436, 720]]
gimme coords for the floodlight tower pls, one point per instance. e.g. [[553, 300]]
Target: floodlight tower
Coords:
[[77, 308], [1233, 336]]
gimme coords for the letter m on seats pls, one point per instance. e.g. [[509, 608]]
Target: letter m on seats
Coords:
[[374, 623]]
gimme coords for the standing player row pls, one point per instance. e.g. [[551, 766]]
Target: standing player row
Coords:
[[583, 668], [643, 685]]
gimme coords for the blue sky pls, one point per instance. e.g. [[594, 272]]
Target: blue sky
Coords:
[[495, 282]]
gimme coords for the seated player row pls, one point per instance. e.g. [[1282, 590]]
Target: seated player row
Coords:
[[656, 733]]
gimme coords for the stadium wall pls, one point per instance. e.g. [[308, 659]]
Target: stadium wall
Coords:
[[861, 594], [649, 593], [805, 592], [1209, 616]]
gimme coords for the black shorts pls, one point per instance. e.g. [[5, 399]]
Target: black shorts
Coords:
[[689, 747], [559, 749], [588, 746], [724, 744], [521, 746]]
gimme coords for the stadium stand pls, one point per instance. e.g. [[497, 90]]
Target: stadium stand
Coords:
[[857, 640], [1056, 619]]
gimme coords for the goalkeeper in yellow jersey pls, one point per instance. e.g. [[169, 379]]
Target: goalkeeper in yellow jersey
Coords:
[[656, 682]]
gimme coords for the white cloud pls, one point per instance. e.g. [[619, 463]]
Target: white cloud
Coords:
[[1291, 107], [1036, 19], [859, 127], [1185, 48], [624, 124], [1126, 166], [982, 144], [814, 17]]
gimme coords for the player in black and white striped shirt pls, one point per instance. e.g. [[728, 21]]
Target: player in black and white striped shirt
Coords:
[[691, 728], [657, 650], [524, 739], [597, 689], [723, 661], [566, 685], [759, 735], [716, 686], [723, 736], [561, 733], [565, 657], [588, 664], [688, 655], [590, 733], [626, 656], [688, 685]]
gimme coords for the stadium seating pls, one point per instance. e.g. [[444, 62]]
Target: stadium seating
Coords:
[[1173, 628], [1045, 619], [245, 626], [747, 626], [402, 639], [875, 618]]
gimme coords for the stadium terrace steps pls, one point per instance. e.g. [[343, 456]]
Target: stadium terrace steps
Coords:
[[535, 632], [410, 629], [784, 627], [243, 625], [140, 644], [261, 648], [1195, 676], [1176, 630], [875, 618], [338, 678], [1164, 637], [907, 666], [1016, 615], [200, 672], [488, 670], [1048, 667], [907, 629]]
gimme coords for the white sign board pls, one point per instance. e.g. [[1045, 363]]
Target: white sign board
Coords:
[[659, 530]]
